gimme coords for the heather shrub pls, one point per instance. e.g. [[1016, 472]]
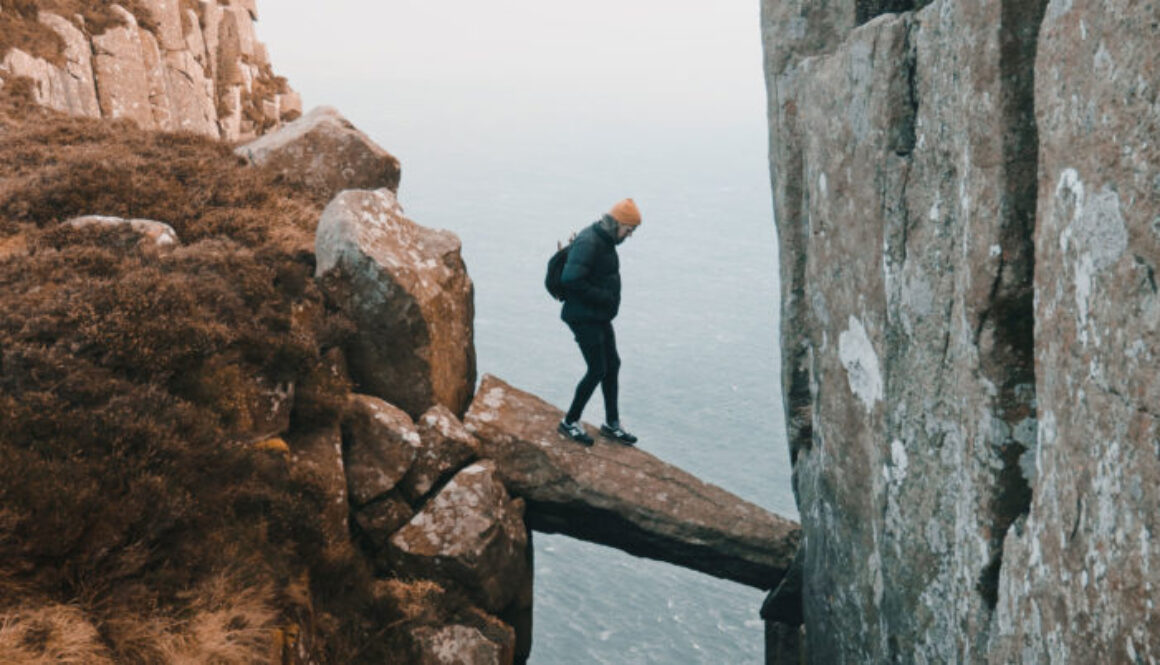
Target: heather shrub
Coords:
[[130, 488]]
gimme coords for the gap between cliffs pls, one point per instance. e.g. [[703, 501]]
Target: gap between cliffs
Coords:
[[1005, 333]]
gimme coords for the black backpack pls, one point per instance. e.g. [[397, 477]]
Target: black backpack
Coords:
[[555, 271]]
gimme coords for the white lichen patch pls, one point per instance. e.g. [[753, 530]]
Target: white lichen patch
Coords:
[[898, 460], [494, 398], [863, 371], [1100, 229]]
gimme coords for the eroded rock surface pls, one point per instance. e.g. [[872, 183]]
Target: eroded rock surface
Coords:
[[623, 497], [323, 151], [406, 287], [459, 645], [471, 535], [1078, 577], [201, 71], [445, 447], [436, 628], [966, 239], [380, 444]]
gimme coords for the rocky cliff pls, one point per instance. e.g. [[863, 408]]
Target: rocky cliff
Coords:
[[967, 199], [238, 410], [172, 65]]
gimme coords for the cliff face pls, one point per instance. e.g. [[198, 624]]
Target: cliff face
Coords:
[[171, 65], [966, 198]]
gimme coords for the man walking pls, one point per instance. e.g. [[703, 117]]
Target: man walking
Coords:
[[591, 282]]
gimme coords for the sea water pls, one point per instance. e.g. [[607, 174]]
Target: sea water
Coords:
[[514, 170], [697, 334]]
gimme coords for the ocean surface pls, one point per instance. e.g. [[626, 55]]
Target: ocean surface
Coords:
[[697, 335], [514, 171]]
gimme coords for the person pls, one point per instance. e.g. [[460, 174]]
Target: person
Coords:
[[591, 283]]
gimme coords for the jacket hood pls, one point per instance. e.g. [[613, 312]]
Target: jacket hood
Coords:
[[606, 227]]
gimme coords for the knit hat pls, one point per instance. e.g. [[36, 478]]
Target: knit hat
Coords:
[[626, 213]]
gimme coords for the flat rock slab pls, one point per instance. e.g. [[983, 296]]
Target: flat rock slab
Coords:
[[624, 497]]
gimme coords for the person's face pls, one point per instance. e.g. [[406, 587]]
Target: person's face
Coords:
[[623, 231]]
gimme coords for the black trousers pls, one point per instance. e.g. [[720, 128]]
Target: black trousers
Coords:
[[598, 345]]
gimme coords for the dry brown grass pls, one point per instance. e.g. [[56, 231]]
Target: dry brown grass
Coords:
[[226, 622], [67, 167], [50, 635], [126, 483]]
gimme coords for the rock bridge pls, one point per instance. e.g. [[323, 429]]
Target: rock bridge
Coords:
[[624, 497], [453, 502]]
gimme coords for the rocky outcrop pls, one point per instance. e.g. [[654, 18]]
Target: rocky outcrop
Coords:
[[471, 535], [201, 71], [423, 508], [436, 629], [622, 496], [445, 446], [152, 232], [69, 88], [1077, 579], [459, 645], [407, 289], [380, 443], [954, 238], [325, 153]]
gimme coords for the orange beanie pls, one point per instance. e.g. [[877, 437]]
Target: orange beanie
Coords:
[[626, 213]]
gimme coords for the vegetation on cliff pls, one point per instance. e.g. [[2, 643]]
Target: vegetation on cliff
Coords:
[[19, 27], [139, 520]]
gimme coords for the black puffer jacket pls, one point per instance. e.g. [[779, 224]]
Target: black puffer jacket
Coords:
[[591, 278]]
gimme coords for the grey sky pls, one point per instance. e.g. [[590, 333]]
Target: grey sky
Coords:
[[635, 53]]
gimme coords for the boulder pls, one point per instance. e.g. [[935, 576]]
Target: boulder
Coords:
[[380, 519], [459, 645], [471, 536], [407, 290], [158, 234], [324, 152], [623, 497], [426, 613], [380, 445], [446, 447]]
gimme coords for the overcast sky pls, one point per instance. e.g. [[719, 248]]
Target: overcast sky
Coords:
[[697, 56]]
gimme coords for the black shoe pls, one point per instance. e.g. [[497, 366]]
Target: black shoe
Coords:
[[575, 432], [617, 434]]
